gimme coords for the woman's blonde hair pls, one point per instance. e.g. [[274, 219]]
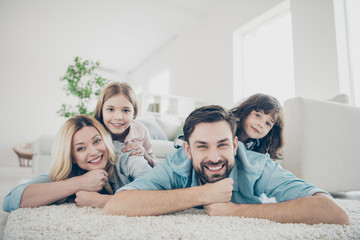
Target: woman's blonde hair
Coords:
[[62, 162], [111, 90]]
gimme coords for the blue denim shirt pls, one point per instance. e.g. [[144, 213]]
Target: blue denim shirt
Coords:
[[255, 175], [127, 168]]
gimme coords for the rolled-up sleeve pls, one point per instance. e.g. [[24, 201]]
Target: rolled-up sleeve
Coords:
[[283, 185], [13, 199]]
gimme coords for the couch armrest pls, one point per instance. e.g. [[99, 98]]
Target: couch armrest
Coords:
[[321, 141], [162, 147], [41, 148]]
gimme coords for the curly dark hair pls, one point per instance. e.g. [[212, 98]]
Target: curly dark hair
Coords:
[[273, 142]]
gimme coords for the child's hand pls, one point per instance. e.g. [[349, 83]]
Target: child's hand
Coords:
[[136, 149]]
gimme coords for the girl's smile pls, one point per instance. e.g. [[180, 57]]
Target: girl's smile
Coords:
[[118, 113]]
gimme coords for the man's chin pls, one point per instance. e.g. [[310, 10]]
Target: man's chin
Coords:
[[213, 178]]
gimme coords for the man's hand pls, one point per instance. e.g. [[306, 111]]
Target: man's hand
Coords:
[[220, 209], [93, 181], [91, 199], [219, 192]]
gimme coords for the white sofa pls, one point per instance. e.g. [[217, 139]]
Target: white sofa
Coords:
[[322, 138]]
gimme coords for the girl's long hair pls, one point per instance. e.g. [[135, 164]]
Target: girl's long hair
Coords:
[[273, 142]]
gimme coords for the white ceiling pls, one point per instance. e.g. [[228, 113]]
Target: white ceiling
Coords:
[[119, 33]]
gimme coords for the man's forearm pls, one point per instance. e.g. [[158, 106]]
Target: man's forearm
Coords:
[[309, 210], [154, 202]]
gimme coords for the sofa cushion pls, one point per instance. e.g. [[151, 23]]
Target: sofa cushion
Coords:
[[155, 131], [170, 125]]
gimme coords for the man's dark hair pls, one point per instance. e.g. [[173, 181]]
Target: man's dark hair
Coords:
[[208, 114]]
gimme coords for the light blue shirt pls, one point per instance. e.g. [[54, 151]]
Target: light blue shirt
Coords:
[[254, 175], [127, 168]]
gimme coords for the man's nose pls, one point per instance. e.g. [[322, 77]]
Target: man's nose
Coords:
[[213, 155]]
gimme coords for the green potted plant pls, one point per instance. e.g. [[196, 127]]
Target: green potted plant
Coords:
[[82, 82]]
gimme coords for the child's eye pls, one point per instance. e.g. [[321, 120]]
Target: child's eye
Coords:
[[257, 115]]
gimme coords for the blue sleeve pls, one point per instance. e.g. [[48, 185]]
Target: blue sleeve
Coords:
[[12, 199], [283, 185], [158, 178]]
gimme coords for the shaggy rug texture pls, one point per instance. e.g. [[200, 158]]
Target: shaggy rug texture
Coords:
[[68, 221]]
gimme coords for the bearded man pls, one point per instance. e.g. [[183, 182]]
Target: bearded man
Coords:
[[215, 171]]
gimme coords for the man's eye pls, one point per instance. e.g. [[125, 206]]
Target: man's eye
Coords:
[[223, 145], [201, 146]]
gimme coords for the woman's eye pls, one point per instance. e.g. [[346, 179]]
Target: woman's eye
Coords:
[[109, 109], [80, 149], [97, 141]]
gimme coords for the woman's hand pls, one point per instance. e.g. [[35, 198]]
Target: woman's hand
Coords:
[[94, 180]]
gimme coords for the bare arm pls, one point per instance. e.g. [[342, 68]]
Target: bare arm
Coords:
[[41, 194], [156, 202], [91, 199], [319, 208]]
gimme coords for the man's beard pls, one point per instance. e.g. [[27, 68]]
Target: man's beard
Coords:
[[214, 177]]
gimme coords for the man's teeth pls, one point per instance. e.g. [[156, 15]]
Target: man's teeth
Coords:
[[96, 160], [215, 168]]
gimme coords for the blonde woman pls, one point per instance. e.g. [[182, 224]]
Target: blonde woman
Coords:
[[87, 167]]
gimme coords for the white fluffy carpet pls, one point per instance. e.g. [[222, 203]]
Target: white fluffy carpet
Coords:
[[70, 222]]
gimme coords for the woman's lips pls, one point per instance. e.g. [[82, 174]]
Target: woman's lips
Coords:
[[97, 160]]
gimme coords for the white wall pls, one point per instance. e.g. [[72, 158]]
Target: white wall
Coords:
[[316, 69], [200, 60], [39, 39]]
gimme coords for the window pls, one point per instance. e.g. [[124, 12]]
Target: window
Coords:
[[263, 56], [352, 8]]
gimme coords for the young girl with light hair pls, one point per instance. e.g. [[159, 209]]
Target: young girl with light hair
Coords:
[[117, 110], [87, 167]]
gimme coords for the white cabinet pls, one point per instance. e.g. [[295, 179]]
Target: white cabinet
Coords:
[[157, 104]]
